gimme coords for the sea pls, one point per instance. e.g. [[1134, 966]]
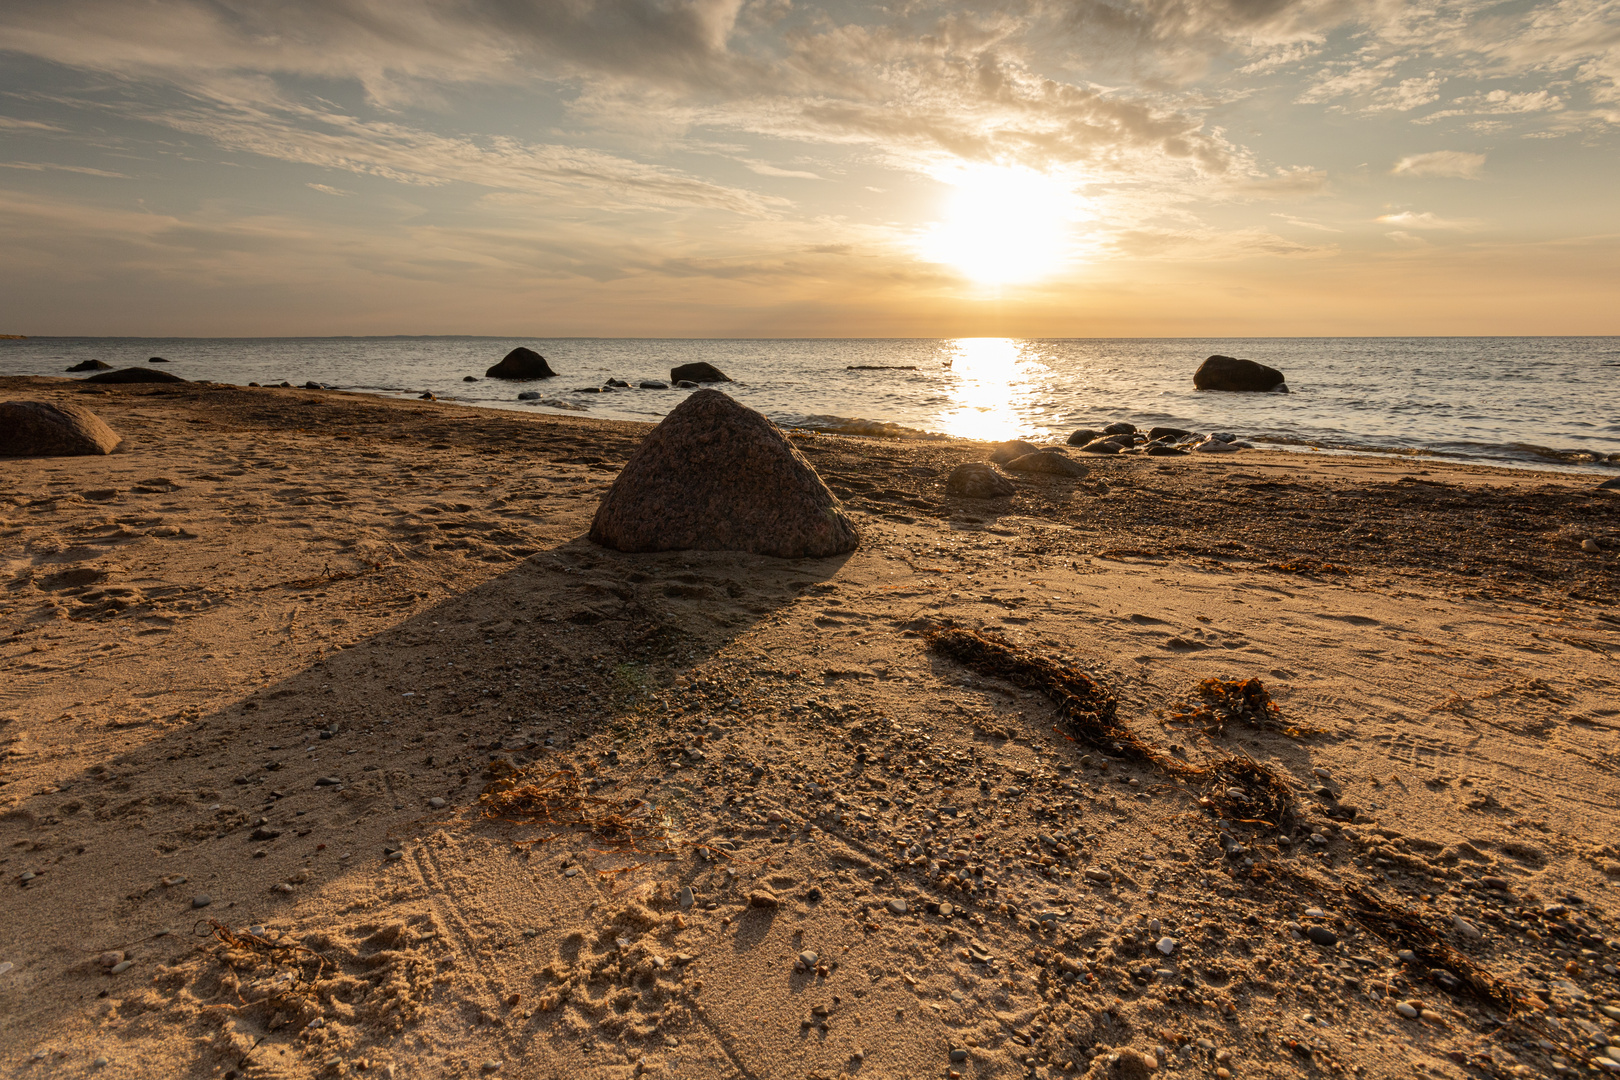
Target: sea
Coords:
[[1531, 402]]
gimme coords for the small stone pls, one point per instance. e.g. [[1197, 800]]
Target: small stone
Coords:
[[1407, 1009], [108, 959], [394, 856], [281, 887], [763, 898], [262, 833], [899, 907], [808, 960], [201, 900], [686, 898], [100, 1063], [1610, 1011], [1321, 935], [572, 871], [436, 803], [121, 967], [1466, 928], [328, 781], [1167, 945], [490, 1067], [958, 1056], [1101, 877], [1590, 545]]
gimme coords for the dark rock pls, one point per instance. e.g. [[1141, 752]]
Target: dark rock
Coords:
[[284, 385], [1083, 436], [91, 365], [529, 395], [881, 367], [313, 385], [1321, 935], [253, 384], [716, 476], [685, 384], [1157, 450], [41, 429], [426, 397], [652, 384], [1120, 429], [1610, 485], [618, 382], [1049, 462], [134, 375], [697, 373], [1168, 433], [1102, 446], [469, 378], [264, 833], [521, 363], [156, 360], [978, 480], [1005, 452], [1231, 373]]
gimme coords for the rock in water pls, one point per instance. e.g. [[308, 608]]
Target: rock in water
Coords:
[[978, 480], [521, 363], [1231, 373], [41, 429], [134, 374], [1610, 485], [156, 360], [1005, 452], [698, 373], [1084, 436], [91, 365], [1049, 462], [715, 476]]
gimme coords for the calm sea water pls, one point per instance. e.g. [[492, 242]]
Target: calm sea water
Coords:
[[1547, 402]]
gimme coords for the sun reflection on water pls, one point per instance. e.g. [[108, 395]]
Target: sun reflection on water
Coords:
[[992, 387]]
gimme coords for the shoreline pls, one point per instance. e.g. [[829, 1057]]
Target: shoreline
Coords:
[[270, 653]]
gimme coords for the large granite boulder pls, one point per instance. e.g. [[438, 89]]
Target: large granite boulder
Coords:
[[716, 476], [521, 363], [978, 480], [43, 429], [91, 365], [698, 373], [134, 374], [1232, 373]]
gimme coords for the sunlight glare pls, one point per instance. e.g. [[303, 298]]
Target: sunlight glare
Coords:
[[1003, 225], [992, 387]]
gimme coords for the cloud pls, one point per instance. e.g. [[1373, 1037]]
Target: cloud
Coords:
[[1501, 103], [1408, 219], [1303, 224], [38, 166], [8, 123], [1457, 164], [327, 189]]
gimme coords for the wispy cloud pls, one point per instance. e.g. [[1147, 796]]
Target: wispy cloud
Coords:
[[1458, 164], [1410, 219], [46, 166]]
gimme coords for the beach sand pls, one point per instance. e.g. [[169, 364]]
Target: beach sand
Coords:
[[260, 664]]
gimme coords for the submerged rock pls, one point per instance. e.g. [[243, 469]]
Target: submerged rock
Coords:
[[699, 373], [134, 375], [43, 429], [978, 480], [1232, 373], [91, 365], [1102, 446], [716, 476], [521, 363]]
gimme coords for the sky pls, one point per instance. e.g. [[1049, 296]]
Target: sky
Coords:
[[781, 168]]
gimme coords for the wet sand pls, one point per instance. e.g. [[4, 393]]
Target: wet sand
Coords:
[[243, 656]]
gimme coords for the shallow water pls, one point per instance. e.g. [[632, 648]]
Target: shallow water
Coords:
[[1548, 402]]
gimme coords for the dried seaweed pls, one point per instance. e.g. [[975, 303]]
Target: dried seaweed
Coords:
[[1238, 786], [1222, 702], [291, 958], [558, 799]]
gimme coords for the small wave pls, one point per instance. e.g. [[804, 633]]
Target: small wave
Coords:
[[845, 425], [558, 403]]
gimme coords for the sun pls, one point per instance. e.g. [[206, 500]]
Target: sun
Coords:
[[1003, 225]]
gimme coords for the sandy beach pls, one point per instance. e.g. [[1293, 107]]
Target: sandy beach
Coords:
[[260, 665]]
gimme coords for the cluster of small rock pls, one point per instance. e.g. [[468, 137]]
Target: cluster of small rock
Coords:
[[524, 363]]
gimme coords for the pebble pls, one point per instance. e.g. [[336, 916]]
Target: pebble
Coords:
[[1499, 884], [437, 803], [1466, 928], [121, 967], [1610, 1011], [899, 907], [1407, 1009], [328, 781], [100, 1063], [491, 1066], [108, 959], [1102, 877], [686, 898], [572, 871], [958, 1056], [1166, 945], [201, 900], [1590, 545], [808, 960], [763, 899], [1321, 935]]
